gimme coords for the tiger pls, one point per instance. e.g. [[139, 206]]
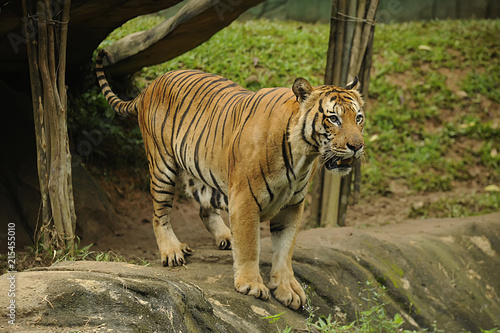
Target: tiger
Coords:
[[252, 154]]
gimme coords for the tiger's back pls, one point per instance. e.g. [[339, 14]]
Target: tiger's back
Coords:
[[208, 125]]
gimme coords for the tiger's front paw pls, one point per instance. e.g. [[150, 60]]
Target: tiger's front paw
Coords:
[[287, 291], [174, 256], [253, 288], [224, 243], [222, 235]]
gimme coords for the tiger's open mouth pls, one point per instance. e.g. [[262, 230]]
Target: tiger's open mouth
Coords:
[[335, 163]]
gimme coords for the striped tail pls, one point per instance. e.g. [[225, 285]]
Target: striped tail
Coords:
[[121, 107]]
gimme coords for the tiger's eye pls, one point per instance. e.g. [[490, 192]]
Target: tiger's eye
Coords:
[[359, 118], [334, 119]]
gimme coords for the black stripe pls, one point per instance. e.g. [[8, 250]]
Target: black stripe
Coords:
[[271, 195], [238, 98], [277, 227], [157, 185], [196, 196], [161, 216], [288, 141], [215, 182], [195, 89], [274, 99], [157, 168], [213, 198], [313, 129], [302, 189], [304, 130], [163, 203], [295, 204], [286, 160], [207, 123], [164, 192], [253, 195], [183, 77], [321, 106]]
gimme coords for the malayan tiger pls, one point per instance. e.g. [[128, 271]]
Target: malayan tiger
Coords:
[[250, 153]]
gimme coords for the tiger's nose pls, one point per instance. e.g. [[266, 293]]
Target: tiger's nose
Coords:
[[355, 146]]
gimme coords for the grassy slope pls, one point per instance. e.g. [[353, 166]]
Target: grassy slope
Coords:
[[433, 110]]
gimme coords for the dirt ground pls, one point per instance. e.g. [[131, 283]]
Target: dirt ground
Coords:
[[136, 240]]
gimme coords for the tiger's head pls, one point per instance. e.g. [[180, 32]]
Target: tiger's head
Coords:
[[332, 122]]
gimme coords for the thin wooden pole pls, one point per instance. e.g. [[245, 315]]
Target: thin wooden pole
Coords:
[[71, 225]]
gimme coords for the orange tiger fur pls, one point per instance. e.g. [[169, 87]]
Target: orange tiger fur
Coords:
[[251, 153]]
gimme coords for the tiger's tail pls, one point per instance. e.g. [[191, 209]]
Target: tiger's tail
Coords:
[[119, 106]]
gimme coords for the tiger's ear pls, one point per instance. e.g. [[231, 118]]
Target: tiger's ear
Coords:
[[354, 84], [302, 89]]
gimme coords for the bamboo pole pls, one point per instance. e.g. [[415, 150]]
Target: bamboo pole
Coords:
[[317, 195], [345, 182], [316, 198], [339, 44], [345, 191], [356, 69], [331, 43], [365, 37], [355, 53], [330, 182], [350, 55], [330, 202], [348, 40], [367, 63]]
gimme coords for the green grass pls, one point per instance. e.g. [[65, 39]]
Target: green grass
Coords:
[[418, 117], [433, 109], [371, 318], [255, 54], [460, 206]]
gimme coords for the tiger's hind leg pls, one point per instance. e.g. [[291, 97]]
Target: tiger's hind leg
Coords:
[[163, 178], [216, 226], [210, 200]]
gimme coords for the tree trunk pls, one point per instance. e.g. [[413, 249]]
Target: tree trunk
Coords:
[[47, 75]]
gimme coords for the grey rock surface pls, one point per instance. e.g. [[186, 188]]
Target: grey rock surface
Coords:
[[443, 270]]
